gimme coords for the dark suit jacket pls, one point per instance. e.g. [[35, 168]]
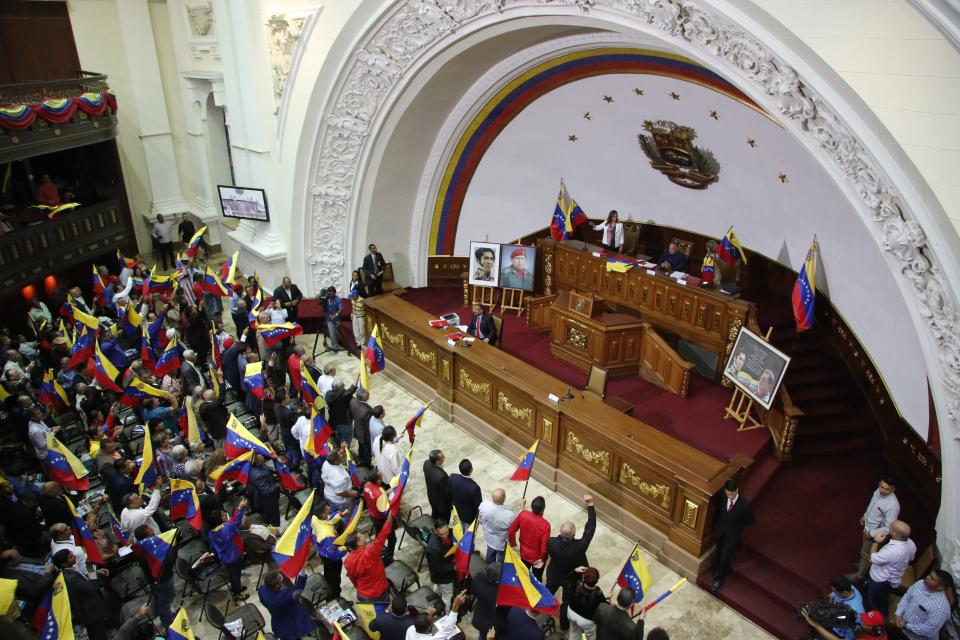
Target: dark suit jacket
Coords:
[[390, 626], [281, 294], [523, 627], [614, 624], [338, 405], [371, 266], [487, 328], [191, 377], [215, 417], [86, 604], [437, 490], [728, 525], [486, 613], [361, 412], [567, 555], [231, 366], [465, 495]]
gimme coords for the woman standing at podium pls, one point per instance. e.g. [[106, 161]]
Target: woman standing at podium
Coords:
[[612, 232]]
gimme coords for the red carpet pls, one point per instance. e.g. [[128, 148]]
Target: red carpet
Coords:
[[696, 420]]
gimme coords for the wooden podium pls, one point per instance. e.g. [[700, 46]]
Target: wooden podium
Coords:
[[583, 334]]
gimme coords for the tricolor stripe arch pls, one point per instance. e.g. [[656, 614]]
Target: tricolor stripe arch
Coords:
[[523, 90]]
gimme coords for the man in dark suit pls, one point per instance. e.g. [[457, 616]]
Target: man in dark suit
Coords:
[[465, 494], [730, 517], [360, 411], [566, 553], [393, 623], [373, 265], [289, 297], [481, 325], [437, 490]]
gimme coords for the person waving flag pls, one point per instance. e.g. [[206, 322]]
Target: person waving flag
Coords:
[[237, 470], [240, 440], [194, 245], [293, 547], [635, 575]]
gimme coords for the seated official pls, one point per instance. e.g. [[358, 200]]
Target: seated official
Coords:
[[672, 259], [481, 325]]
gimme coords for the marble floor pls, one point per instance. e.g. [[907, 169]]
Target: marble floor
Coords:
[[689, 614]]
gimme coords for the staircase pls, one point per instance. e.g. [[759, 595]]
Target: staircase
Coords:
[[807, 509]]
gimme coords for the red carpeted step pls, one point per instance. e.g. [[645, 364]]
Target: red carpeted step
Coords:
[[784, 586], [758, 606], [760, 474]]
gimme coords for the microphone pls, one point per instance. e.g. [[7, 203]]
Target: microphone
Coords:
[[569, 395]]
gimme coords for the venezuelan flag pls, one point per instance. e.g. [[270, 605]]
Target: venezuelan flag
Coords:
[[805, 290], [464, 548], [287, 481], [240, 440], [352, 469], [51, 393], [57, 622], [123, 538], [147, 473], [274, 333], [311, 392], [567, 215], [367, 612], [129, 263], [257, 298], [390, 501], [194, 245], [155, 550], [375, 351], [184, 504], [364, 377], [157, 283], [237, 470], [708, 271], [64, 467], [213, 285], [100, 293], [146, 351], [188, 422], [293, 547], [415, 421], [216, 350], [104, 371], [82, 347], [169, 359], [324, 532], [526, 463], [66, 310], [229, 269], [130, 320], [67, 335], [320, 433], [83, 536], [730, 250], [214, 382], [180, 628], [635, 575], [137, 390], [518, 587], [253, 378], [85, 319]]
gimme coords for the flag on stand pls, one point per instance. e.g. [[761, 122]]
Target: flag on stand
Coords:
[[240, 440], [635, 575], [518, 587], [104, 371], [64, 467], [194, 245], [147, 473], [180, 628], [82, 535], [168, 360], [293, 547], [274, 333], [805, 290], [184, 503], [253, 378], [155, 550], [730, 250], [415, 422], [52, 616], [287, 481], [137, 390], [526, 463], [375, 351], [567, 215], [237, 470]]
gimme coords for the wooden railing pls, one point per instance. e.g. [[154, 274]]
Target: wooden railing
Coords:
[[661, 365], [37, 90]]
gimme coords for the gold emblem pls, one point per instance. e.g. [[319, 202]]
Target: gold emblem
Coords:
[[671, 151]]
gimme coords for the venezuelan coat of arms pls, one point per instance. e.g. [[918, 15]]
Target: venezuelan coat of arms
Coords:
[[671, 151]]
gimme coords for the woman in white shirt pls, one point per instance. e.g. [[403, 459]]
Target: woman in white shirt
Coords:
[[387, 454], [612, 232]]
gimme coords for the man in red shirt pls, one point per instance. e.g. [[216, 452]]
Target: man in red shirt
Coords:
[[534, 533], [365, 566], [373, 491], [293, 366]]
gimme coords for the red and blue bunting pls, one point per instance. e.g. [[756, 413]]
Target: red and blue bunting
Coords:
[[56, 110]]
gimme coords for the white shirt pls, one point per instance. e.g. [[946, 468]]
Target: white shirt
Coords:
[[162, 230], [617, 233], [277, 316], [336, 480], [69, 545], [889, 563], [389, 460], [301, 431], [376, 428], [130, 519], [324, 384], [446, 628], [13, 365], [37, 432]]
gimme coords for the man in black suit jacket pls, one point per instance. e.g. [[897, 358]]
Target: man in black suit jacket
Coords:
[[465, 494], [289, 297], [481, 325], [730, 517], [437, 480], [373, 265]]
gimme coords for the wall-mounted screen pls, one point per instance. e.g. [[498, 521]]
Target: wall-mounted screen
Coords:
[[244, 203]]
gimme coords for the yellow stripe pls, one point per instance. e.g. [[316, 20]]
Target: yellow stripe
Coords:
[[287, 544]]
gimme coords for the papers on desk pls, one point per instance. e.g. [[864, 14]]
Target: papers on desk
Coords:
[[678, 275], [464, 328], [647, 265], [651, 272]]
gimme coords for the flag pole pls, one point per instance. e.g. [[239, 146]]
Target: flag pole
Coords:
[[617, 579], [527, 482]]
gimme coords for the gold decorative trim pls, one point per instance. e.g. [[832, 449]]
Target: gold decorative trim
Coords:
[[576, 338], [690, 512], [426, 357], [655, 492], [547, 431], [599, 458], [480, 389], [445, 369], [524, 415], [548, 272], [732, 331], [685, 388], [466, 292], [396, 339]]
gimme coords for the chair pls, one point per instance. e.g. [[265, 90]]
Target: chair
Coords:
[[685, 246], [128, 580], [205, 586], [478, 564], [253, 622], [262, 558], [426, 597], [597, 382], [631, 236], [316, 590], [401, 576], [498, 325], [419, 529]]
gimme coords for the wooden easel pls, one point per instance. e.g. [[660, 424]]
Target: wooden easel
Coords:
[[512, 300], [741, 405], [483, 295]]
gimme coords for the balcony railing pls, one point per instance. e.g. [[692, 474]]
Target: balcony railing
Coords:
[[38, 90]]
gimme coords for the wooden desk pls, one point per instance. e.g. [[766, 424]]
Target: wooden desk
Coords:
[[647, 483], [609, 340], [706, 318]]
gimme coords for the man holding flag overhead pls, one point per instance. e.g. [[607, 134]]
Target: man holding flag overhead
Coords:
[[157, 555]]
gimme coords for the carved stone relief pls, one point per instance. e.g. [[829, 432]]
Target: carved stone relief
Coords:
[[200, 19], [284, 33]]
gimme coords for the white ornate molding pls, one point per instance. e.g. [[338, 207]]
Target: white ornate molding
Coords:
[[287, 35], [410, 31]]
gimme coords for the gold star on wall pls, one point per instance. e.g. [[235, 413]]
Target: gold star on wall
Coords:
[[639, 92], [608, 99], [783, 178], [713, 114], [587, 116], [674, 95], [752, 143], [572, 138]]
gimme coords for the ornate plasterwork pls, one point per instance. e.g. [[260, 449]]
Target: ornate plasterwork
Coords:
[[200, 19], [283, 31], [408, 31]]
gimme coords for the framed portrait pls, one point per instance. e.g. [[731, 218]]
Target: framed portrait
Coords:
[[245, 203], [756, 367], [517, 266], [484, 258]]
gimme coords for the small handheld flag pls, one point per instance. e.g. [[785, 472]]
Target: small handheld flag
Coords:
[[274, 333], [240, 440], [137, 390], [253, 378], [415, 422], [311, 391], [83, 536], [464, 549], [155, 550], [168, 360], [293, 547], [147, 474], [673, 589], [104, 371], [375, 356], [237, 470], [180, 628], [194, 245], [635, 575], [64, 467], [213, 285], [526, 463], [184, 503], [805, 290], [519, 588], [320, 434]]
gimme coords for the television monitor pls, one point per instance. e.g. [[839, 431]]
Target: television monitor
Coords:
[[245, 203]]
